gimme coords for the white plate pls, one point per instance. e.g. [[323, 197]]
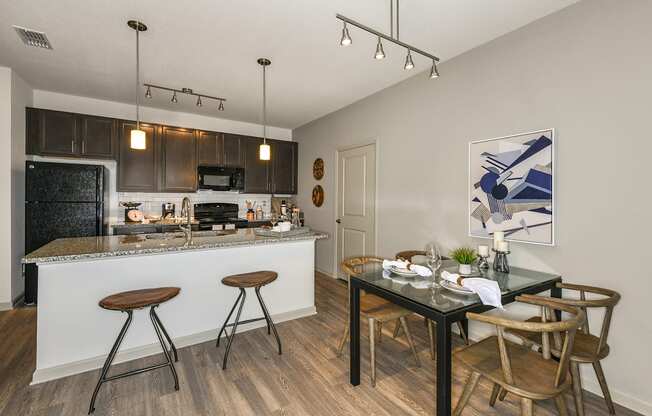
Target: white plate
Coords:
[[403, 272], [456, 288]]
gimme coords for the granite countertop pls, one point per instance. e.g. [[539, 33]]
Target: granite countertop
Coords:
[[87, 248]]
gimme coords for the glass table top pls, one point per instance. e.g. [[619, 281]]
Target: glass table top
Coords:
[[428, 291]]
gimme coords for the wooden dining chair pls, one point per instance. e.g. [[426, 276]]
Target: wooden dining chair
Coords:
[[408, 255], [587, 348], [377, 311], [517, 369]]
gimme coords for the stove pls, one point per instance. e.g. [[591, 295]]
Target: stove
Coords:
[[217, 215]]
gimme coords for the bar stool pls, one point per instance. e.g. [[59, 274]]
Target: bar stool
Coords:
[[128, 302], [243, 281]]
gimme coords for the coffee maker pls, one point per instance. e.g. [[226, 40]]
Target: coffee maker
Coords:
[[167, 210]]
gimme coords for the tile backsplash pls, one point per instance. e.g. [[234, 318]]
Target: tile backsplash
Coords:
[[151, 202]]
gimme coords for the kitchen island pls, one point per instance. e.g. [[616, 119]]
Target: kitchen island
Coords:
[[74, 334]]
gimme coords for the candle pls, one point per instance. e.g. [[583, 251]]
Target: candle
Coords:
[[483, 251], [498, 237], [503, 246]]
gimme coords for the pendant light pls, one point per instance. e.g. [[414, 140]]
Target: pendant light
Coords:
[[265, 152], [138, 137]]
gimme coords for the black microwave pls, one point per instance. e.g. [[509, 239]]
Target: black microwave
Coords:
[[220, 178]]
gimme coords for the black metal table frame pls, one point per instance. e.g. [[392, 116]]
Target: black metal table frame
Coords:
[[444, 321]]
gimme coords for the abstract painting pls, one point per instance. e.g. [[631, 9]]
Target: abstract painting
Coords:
[[511, 187]]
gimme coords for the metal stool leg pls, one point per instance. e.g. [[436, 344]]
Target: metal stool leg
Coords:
[[235, 327], [269, 319], [170, 364], [167, 336], [109, 360], [223, 329]]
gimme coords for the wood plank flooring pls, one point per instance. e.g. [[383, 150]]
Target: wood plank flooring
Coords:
[[308, 379]]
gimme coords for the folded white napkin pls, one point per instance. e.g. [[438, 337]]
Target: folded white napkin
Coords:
[[420, 270], [488, 290]]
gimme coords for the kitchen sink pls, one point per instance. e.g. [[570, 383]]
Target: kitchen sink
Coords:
[[164, 236]]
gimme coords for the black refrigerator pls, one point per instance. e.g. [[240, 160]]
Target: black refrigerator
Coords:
[[61, 200]]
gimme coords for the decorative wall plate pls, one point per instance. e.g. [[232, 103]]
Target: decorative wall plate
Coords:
[[318, 168], [318, 195]]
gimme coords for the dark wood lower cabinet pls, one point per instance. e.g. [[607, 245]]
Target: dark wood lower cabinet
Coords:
[[138, 169], [178, 160]]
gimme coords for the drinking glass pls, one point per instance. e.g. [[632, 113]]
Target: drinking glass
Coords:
[[273, 218], [434, 260]]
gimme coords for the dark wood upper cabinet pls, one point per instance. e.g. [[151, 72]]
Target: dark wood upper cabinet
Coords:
[[257, 172], [233, 150], [138, 169], [97, 137], [210, 148], [58, 133], [178, 160], [284, 167]]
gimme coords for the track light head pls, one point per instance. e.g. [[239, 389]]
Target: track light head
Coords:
[[221, 106], [199, 101], [346, 38], [434, 73], [174, 97], [380, 52], [148, 93], [409, 63]]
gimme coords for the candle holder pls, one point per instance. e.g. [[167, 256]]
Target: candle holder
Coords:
[[500, 261], [483, 264]]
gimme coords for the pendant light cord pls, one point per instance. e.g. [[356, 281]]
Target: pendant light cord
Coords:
[[264, 106], [137, 74]]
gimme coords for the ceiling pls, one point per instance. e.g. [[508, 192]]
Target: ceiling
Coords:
[[211, 46]]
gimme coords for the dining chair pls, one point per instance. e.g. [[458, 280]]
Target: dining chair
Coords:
[[377, 311], [408, 255], [587, 348], [516, 368]]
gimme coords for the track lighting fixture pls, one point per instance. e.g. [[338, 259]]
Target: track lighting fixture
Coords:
[[346, 38], [409, 64], [187, 91], [393, 37], [380, 52], [434, 73]]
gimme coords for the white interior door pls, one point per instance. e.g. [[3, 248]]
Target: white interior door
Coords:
[[356, 210]]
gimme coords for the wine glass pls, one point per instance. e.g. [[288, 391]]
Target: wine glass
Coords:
[[273, 218], [434, 260]]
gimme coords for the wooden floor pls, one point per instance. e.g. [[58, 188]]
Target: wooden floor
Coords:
[[308, 379]]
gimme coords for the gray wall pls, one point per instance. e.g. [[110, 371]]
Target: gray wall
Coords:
[[587, 72]]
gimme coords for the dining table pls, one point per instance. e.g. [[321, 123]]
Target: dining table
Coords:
[[427, 297]]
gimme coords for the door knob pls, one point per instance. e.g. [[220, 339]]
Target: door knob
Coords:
[[339, 221]]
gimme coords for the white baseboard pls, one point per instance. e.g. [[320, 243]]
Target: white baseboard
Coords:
[[6, 306], [329, 274], [589, 384], [52, 373]]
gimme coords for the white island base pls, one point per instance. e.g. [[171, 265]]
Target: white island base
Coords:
[[74, 334]]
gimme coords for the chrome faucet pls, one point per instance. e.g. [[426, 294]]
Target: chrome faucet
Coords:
[[185, 212]]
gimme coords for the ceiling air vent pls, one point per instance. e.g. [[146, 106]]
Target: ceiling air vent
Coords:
[[33, 38]]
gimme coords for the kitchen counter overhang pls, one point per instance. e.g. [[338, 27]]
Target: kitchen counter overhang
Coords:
[[87, 248]]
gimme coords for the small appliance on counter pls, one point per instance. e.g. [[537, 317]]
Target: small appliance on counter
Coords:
[[132, 213], [168, 211]]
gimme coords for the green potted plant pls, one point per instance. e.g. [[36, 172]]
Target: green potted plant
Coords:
[[465, 256]]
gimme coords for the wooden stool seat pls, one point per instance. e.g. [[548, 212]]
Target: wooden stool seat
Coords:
[[137, 299], [253, 279]]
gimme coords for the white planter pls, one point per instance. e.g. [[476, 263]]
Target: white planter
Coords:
[[465, 269]]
